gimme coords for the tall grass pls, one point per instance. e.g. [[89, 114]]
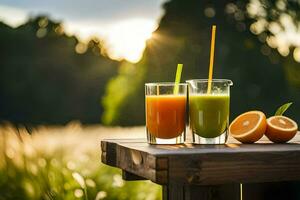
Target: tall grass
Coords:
[[61, 163]]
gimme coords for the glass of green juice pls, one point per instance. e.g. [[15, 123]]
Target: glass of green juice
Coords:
[[209, 110]]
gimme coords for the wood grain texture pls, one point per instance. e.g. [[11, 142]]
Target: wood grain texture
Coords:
[[205, 164], [245, 167]]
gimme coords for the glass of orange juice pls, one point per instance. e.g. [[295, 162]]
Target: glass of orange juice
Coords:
[[165, 112]]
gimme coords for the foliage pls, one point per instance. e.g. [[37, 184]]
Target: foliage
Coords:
[[281, 110], [118, 96], [276, 23], [61, 164]]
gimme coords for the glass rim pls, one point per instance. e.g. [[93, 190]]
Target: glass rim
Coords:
[[165, 84], [213, 81]]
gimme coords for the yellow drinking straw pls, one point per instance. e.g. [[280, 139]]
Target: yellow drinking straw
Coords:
[[211, 60], [177, 78]]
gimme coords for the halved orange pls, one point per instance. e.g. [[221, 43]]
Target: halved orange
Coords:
[[281, 129], [248, 127]]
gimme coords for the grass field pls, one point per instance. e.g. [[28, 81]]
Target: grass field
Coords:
[[64, 163]]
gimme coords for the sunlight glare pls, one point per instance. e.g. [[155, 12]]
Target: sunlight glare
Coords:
[[297, 54], [12, 16], [127, 39]]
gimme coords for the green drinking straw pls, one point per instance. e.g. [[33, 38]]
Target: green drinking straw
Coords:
[[177, 78]]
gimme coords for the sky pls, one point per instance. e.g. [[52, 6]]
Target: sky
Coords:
[[125, 25]]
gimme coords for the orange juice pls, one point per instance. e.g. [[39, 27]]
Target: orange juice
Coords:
[[165, 115]]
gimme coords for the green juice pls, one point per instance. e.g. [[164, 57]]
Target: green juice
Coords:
[[209, 114]]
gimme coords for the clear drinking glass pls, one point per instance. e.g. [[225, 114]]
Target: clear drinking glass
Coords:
[[209, 112], [165, 112]]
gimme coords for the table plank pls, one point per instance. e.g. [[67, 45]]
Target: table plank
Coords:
[[205, 164]]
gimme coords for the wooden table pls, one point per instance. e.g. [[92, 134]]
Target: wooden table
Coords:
[[267, 171]]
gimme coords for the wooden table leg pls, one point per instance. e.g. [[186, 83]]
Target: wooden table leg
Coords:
[[175, 191], [271, 191]]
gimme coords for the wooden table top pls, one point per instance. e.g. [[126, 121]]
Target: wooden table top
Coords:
[[205, 164]]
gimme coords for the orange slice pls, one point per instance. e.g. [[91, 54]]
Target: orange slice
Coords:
[[248, 127], [281, 129]]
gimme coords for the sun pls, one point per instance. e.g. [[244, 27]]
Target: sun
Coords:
[[123, 39], [127, 39]]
